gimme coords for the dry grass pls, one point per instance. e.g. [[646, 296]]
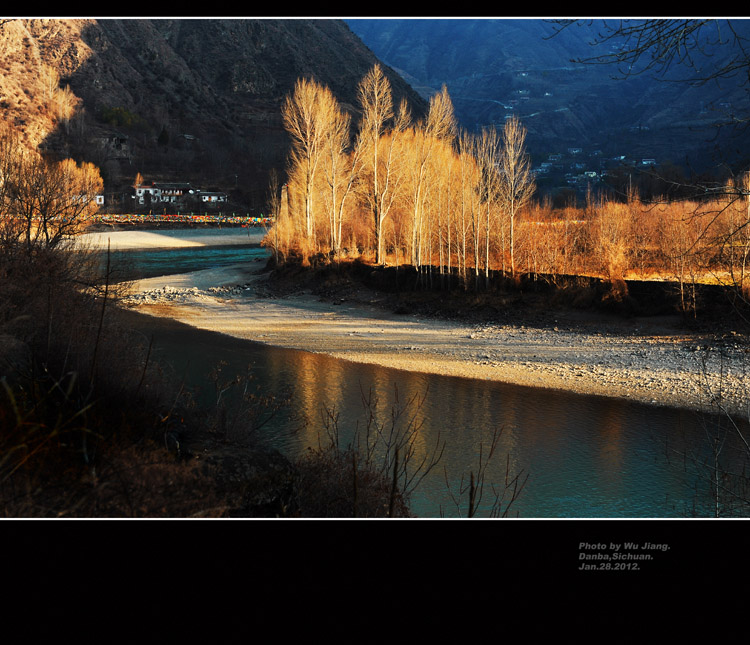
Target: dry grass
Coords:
[[82, 408]]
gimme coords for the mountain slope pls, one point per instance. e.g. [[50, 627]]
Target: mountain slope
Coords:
[[192, 99], [496, 67]]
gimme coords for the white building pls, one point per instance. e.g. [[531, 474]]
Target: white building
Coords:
[[162, 192], [209, 197]]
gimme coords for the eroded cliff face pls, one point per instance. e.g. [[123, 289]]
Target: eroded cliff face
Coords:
[[211, 88]]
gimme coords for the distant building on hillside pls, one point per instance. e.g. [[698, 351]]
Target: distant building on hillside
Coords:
[[178, 193], [162, 192], [212, 197], [173, 192], [147, 193], [115, 146]]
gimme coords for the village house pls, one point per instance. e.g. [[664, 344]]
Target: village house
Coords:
[[211, 197], [154, 192], [174, 192], [147, 193], [162, 192]]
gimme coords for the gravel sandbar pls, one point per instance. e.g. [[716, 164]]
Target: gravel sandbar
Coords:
[[671, 369]]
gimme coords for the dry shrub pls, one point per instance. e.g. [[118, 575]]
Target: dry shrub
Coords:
[[90, 424], [618, 299], [610, 240], [61, 305], [618, 290], [334, 483], [63, 453], [74, 385], [376, 473], [136, 482], [240, 408]]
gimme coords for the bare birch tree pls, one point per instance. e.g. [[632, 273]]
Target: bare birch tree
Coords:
[[487, 151], [440, 126], [11, 156], [273, 204], [443, 175], [470, 208], [467, 170], [708, 49], [379, 150], [342, 167], [741, 234], [306, 114], [516, 184]]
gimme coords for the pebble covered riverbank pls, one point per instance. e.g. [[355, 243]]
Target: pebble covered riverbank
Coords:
[[648, 363]]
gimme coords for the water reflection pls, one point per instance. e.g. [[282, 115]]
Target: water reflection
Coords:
[[585, 456]]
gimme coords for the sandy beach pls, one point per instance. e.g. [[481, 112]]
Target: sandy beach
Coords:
[[166, 238], [645, 360]]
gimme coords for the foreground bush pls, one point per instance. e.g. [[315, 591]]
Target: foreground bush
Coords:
[[335, 483]]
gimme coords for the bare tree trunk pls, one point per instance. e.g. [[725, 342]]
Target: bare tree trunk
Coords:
[[516, 181]]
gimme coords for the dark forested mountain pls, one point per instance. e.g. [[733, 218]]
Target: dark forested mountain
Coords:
[[189, 99], [493, 68]]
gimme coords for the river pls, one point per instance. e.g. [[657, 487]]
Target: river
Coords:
[[585, 457]]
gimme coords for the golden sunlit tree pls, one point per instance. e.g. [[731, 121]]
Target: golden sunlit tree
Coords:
[[732, 236], [44, 201], [467, 206], [442, 169], [487, 153], [440, 126], [379, 143], [610, 235], [307, 115], [424, 193], [516, 182], [342, 165]]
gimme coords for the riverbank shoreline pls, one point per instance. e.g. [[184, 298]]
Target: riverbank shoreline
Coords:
[[167, 237], [650, 361]]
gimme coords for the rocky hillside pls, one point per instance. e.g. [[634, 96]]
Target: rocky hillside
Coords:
[[184, 99]]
